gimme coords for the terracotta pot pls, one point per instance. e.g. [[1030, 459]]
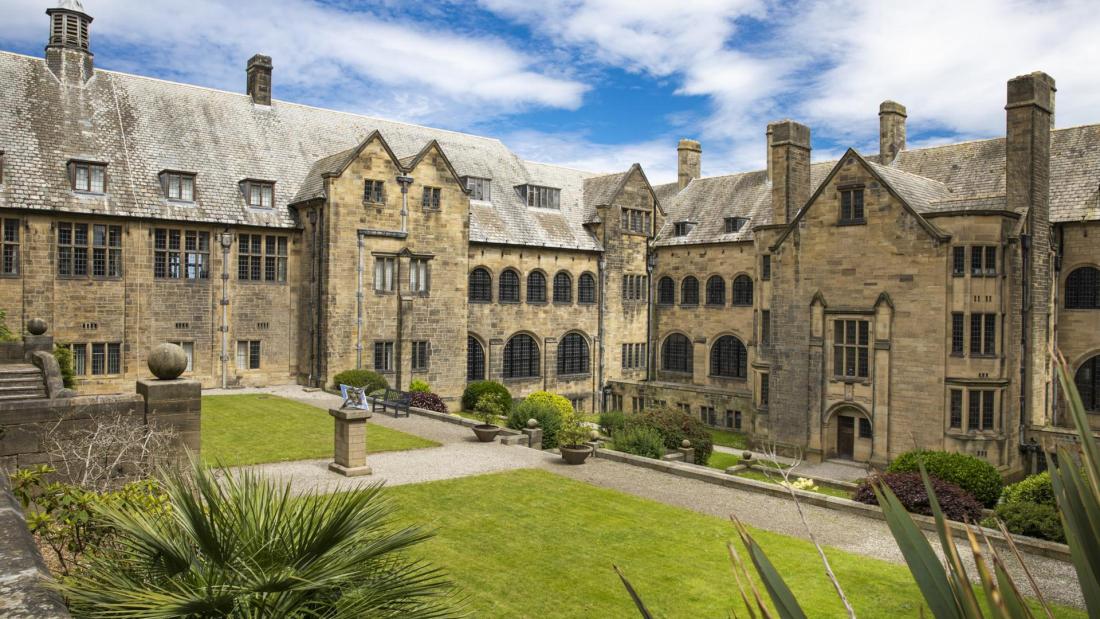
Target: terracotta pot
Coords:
[[486, 433], [575, 455]]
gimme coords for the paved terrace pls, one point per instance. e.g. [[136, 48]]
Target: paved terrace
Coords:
[[461, 455]]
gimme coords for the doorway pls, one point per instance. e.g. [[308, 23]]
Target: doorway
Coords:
[[845, 436]]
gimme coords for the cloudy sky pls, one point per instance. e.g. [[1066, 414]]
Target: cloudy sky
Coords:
[[600, 84]]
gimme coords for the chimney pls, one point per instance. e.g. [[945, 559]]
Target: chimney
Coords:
[[1030, 116], [67, 54], [689, 157], [789, 161], [259, 79], [891, 131]]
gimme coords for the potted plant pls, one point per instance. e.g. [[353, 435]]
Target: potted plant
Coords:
[[488, 408], [572, 437]]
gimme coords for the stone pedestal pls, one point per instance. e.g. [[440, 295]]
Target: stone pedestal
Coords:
[[35, 343], [688, 453], [176, 404], [534, 437], [350, 442]]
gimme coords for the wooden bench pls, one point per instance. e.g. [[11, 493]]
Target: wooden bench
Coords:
[[392, 399]]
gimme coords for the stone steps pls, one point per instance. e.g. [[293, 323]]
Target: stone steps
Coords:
[[21, 381]]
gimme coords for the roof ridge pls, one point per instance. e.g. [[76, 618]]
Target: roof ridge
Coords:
[[565, 167], [281, 101], [897, 170]]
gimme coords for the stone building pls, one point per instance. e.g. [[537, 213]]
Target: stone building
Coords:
[[850, 308]]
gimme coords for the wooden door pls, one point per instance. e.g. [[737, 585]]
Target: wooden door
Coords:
[[845, 436]]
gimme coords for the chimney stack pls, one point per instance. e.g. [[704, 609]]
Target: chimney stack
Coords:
[[259, 79], [789, 162], [689, 161], [1030, 117], [891, 131], [68, 54]]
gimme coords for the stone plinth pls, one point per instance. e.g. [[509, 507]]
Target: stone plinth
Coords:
[[688, 453], [350, 442], [534, 437], [176, 404]]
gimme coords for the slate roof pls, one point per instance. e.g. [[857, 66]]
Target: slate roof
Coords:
[[140, 126], [967, 176]]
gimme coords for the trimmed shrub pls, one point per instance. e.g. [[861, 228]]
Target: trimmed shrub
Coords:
[[974, 475], [674, 426], [560, 403], [377, 393], [640, 441], [427, 401], [368, 380], [1031, 519], [1033, 489], [64, 358], [478, 388], [419, 386], [956, 503], [548, 417], [612, 422]]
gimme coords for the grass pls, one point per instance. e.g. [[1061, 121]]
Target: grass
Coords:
[[775, 479], [726, 438], [255, 428], [720, 460], [530, 543]]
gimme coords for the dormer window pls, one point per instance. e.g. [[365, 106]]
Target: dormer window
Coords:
[[734, 224], [178, 185], [480, 188], [682, 228], [258, 194], [538, 196], [88, 177]]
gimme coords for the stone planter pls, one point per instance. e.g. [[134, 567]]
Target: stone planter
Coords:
[[486, 433], [574, 455]]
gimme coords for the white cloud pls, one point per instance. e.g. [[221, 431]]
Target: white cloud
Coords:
[[577, 150], [315, 48]]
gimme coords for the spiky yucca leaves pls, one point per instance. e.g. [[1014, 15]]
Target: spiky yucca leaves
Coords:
[[240, 545]]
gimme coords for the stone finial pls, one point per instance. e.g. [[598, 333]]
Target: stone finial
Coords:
[[685, 443], [532, 423], [594, 434], [167, 361], [36, 326]]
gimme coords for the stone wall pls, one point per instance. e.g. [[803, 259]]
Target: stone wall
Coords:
[[1078, 330], [23, 594]]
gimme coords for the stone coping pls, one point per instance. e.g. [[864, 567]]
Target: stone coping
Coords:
[[23, 573], [1029, 545], [507, 436]]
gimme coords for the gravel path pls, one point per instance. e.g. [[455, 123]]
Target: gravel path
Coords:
[[461, 456]]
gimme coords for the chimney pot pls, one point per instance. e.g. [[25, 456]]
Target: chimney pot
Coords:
[[259, 79], [891, 131], [689, 155]]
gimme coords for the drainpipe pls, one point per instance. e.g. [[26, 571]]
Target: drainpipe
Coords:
[[227, 242], [601, 266], [405, 181], [359, 302], [650, 267]]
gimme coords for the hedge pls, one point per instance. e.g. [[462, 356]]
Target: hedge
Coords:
[[674, 426], [612, 422], [640, 441], [956, 503], [368, 380], [427, 401], [974, 475], [478, 388], [1033, 489], [560, 403], [547, 415], [1031, 519]]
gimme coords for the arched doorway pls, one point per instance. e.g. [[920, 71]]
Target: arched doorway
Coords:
[[850, 434]]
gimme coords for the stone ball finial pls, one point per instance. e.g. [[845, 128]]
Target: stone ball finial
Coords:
[[36, 326], [746, 455], [532, 423], [167, 361], [685, 443], [594, 434]]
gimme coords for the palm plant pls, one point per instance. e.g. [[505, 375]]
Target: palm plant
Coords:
[[240, 545], [946, 585]]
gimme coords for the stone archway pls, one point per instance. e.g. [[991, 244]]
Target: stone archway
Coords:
[[849, 433]]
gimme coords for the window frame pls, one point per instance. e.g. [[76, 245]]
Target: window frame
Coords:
[[11, 246], [476, 287], [84, 358], [90, 253], [265, 256], [536, 290], [385, 282], [1081, 283], [420, 355], [431, 198], [666, 288], [563, 288], [475, 360], [250, 185], [1089, 371], [531, 358], [484, 188], [766, 267], [184, 265], [507, 278], [853, 211], [254, 355], [541, 196], [574, 356], [689, 297], [716, 286], [958, 261], [983, 334], [420, 275], [383, 350], [744, 280], [89, 168], [852, 343], [168, 178], [728, 351], [670, 355], [587, 281], [374, 191]]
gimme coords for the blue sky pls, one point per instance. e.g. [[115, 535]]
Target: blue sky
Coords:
[[600, 84]]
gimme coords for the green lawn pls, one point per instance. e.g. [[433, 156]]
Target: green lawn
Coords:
[[720, 460], [254, 428], [726, 438], [775, 478], [530, 543]]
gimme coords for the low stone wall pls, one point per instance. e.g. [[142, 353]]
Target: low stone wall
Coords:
[[22, 571]]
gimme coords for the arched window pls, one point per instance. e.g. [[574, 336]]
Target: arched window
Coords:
[[742, 290], [475, 359], [728, 358], [509, 287], [676, 354], [689, 291], [536, 287], [586, 288], [521, 357], [573, 355], [563, 288], [480, 286], [666, 291], [1083, 289], [716, 291], [1088, 384]]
